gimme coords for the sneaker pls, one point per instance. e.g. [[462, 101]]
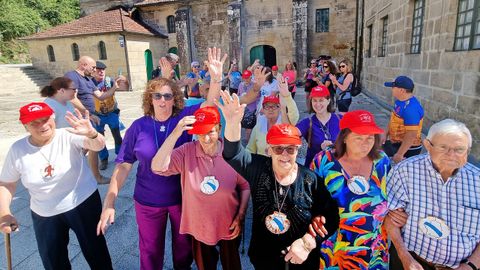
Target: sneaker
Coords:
[[103, 164], [102, 180]]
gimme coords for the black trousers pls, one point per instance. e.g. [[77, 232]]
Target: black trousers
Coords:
[[52, 236], [206, 256], [392, 148]]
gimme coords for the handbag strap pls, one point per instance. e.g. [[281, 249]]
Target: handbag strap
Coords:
[[309, 138]]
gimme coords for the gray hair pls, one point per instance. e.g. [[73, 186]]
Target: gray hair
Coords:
[[449, 126]]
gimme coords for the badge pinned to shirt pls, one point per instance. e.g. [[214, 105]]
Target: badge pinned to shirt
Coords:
[[434, 227], [358, 184], [209, 185]]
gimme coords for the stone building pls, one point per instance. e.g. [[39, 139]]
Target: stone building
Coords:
[[113, 37], [272, 31], [436, 43]]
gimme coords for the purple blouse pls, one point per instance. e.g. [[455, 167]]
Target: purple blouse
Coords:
[[320, 133], [141, 142]]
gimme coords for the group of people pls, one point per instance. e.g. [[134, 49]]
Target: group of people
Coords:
[[365, 198]]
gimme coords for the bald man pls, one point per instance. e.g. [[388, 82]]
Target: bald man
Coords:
[[86, 91]]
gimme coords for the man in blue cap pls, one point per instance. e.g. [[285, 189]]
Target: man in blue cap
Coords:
[[403, 137]]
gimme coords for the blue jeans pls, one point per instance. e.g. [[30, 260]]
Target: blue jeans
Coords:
[[52, 236], [113, 121]]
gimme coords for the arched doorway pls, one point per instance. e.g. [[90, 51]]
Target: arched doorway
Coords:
[[174, 50], [148, 63], [266, 53]]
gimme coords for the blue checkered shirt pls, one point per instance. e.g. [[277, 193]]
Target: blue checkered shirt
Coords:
[[418, 188]]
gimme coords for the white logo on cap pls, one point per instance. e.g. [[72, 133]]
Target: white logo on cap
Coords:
[[365, 118], [285, 130], [34, 108], [200, 117]]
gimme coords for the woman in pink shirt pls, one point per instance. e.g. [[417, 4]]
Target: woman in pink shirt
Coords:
[[214, 195], [290, 75]]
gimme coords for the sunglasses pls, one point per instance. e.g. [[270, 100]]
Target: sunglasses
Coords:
[[71, 88], [342, 66], [158, 96], [196, 66], [325, 66], [270, 107], [291, 149]]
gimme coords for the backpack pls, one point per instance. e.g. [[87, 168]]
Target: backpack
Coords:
[[356, 87]]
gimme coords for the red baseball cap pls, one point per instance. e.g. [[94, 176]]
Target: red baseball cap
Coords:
[[34, 111], [207, 118], [319, 91], [284, 134], [360, 122], [271, 99], [274, 68], [246, 74]]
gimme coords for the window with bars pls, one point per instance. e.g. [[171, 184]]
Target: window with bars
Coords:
[[51, 53], [75, 52], [322, 20], [370, 36], [102, 51], [171, 24], [417, 26], [382, 49], [467, 35]]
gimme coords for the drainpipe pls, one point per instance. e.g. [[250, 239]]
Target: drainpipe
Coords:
[[126, 52], [360, 55], [356, 39]]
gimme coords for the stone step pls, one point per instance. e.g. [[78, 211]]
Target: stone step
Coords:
[[24, 80]]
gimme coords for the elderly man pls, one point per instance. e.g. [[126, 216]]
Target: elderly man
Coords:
[[86, 92], [172, 60], [440, 191]]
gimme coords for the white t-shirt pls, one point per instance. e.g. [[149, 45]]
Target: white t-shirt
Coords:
[[69, 183], [267, 90], [60, 111]]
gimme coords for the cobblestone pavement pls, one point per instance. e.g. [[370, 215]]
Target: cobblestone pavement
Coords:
[[122, 237]]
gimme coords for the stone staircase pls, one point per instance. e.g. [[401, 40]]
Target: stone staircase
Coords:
[[23, 80]]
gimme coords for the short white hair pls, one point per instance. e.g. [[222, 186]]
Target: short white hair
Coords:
[[449, 126]]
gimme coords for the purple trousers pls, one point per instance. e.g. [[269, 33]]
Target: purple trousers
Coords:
[[152, 224]]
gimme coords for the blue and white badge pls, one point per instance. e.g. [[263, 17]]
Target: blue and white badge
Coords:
[[434, 227], [277, 223], [358, 184], [209, 185]]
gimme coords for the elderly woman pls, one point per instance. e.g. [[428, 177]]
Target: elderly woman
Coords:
[[354, 173], [285, 195], [157, 197], [275, 110], [215, 196], [58, 95], [322, 128], [343, 85], [64, 195], [310, 74]]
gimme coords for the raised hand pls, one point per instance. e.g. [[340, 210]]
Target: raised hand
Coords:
[[231, 108], [215, 63], [282, 86], [184, 124], [260, 75], [80, 125], [166, 68]]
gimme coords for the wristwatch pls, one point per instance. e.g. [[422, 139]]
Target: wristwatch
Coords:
[[469, 263]]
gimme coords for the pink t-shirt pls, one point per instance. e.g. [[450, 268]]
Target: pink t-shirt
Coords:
[[206, 217], [289, 75]]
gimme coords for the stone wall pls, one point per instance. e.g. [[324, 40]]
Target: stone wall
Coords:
[[157, 15], [88, 45], [339, 41], [447, 82], [279, 36], [136, 46]]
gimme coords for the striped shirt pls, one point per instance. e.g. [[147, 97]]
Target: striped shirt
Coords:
[[418, 188]]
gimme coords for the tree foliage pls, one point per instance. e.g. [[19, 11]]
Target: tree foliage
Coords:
[[24, 17]]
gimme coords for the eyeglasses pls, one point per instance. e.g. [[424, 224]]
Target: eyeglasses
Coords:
[[278, 150], [71, 88], [444, 149], [270, 107], [342, 66], [313, 63], [158, 96]]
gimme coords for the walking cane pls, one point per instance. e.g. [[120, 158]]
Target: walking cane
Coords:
[[8, 251]]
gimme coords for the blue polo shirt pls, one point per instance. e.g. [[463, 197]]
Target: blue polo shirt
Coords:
[[85, 89]]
